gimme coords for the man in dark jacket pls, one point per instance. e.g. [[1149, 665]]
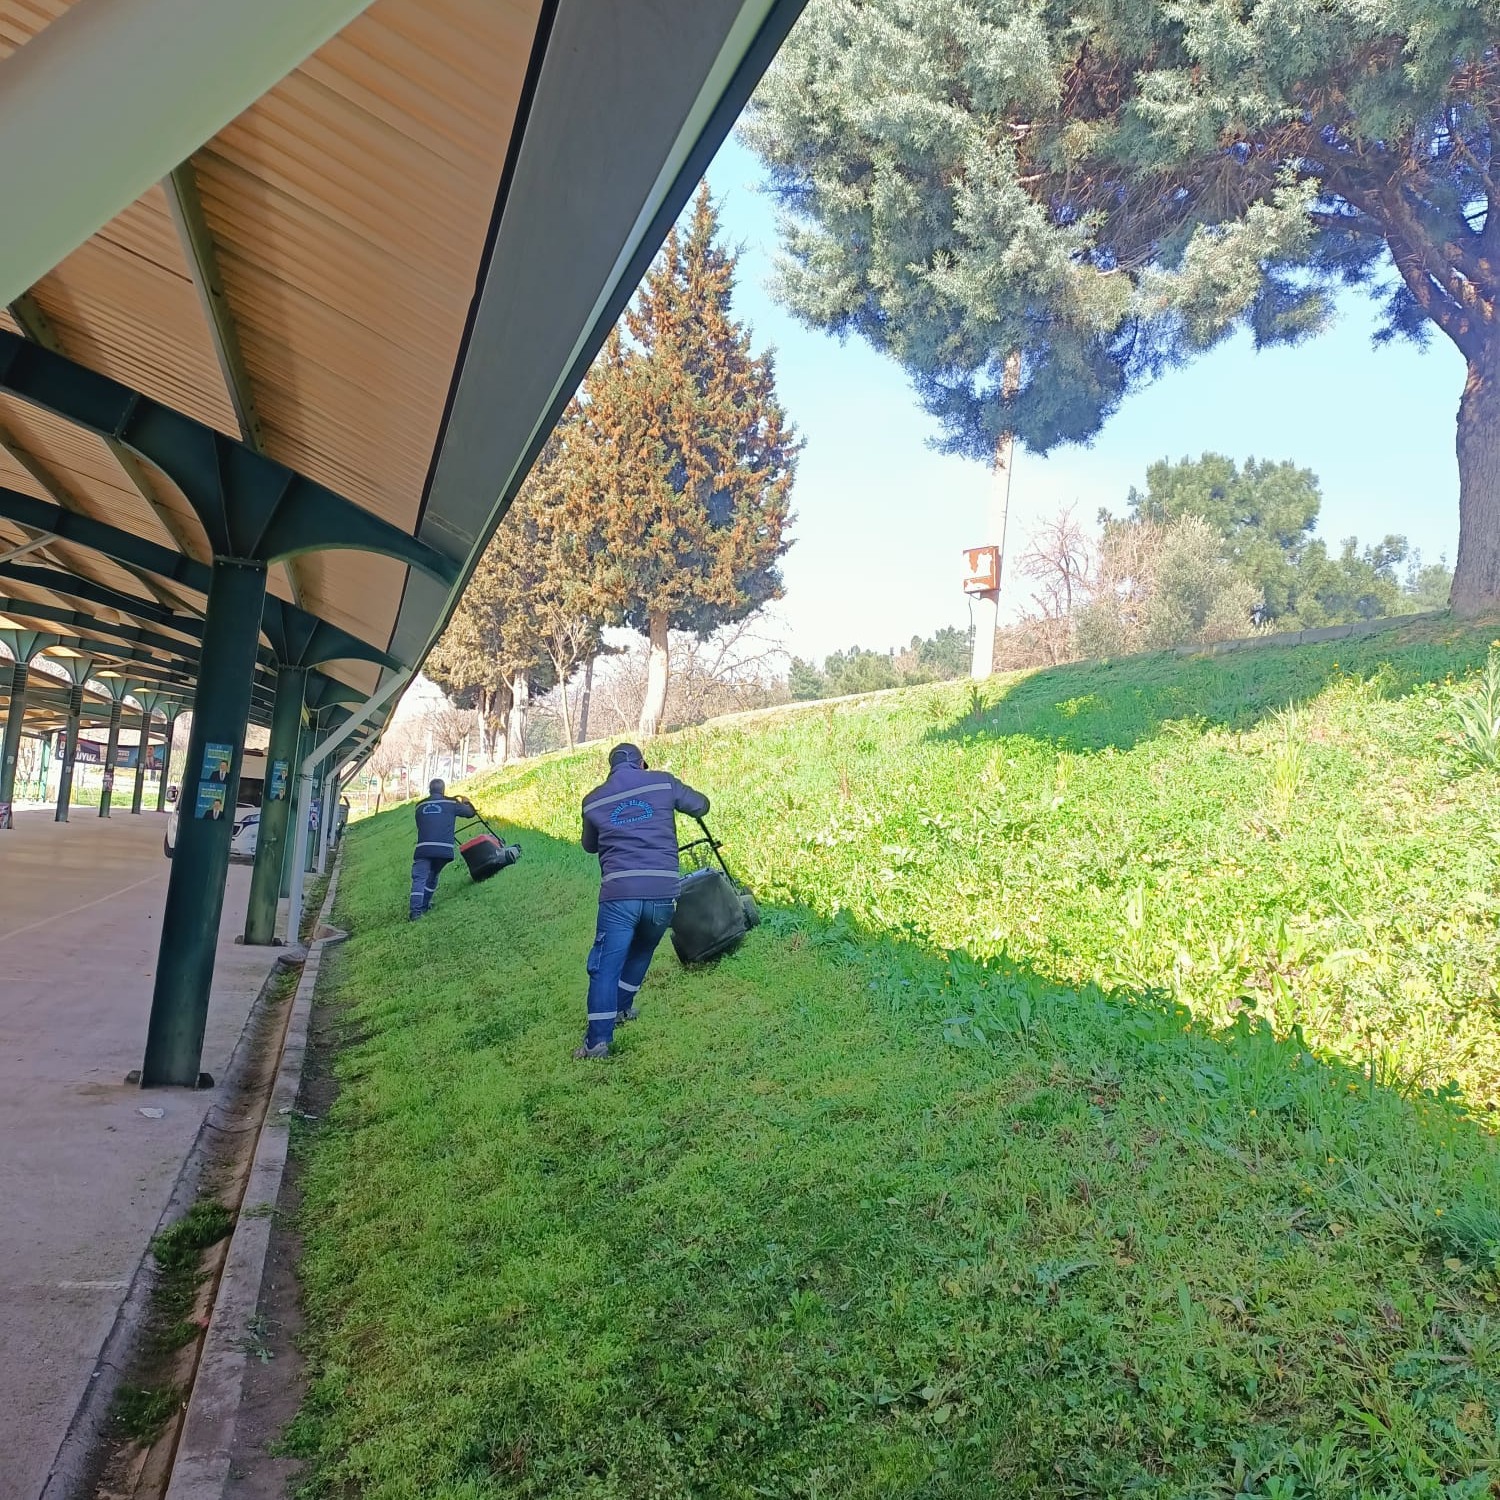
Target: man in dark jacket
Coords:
[[630, 823], [435, 821]]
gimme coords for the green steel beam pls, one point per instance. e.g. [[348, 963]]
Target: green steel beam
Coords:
[[252, 507], [296, 637], [88, 592], [98, 536], [30, 319], [299, 639], [75, 620]]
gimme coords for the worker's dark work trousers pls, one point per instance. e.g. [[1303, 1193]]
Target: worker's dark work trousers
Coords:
[[424, 879], [624, 941]]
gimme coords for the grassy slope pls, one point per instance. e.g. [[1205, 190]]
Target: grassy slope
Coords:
[[977, 1171]]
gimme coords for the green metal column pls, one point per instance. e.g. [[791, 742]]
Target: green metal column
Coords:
[[205, 825], [140, 761], [166, 760], [111, 750], [77, 668], [10, 756], [276, 805], [298, 808]]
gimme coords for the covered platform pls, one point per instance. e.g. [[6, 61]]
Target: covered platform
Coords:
[[84, 1175], [291, 296]]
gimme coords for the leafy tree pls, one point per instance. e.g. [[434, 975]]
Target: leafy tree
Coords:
[[684, 489], [939, 657], [549, 556], [525, 619], [944, 655], [1355, 585], [1427, 585], [805, 681], [1264, 515], [1161, 584], [859, 671], [1109, 189]]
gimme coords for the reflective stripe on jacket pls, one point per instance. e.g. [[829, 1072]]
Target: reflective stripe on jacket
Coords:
[[435, 823], [630, 823]]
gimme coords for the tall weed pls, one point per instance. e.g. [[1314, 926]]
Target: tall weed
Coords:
[[1478, 715]]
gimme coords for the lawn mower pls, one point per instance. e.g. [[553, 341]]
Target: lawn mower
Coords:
[[714, 911], [486, 853]]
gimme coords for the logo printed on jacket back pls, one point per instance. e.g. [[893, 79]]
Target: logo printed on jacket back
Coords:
[[633, 811]]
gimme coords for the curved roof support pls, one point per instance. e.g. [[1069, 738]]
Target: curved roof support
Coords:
[[88, 592], [98, 536], [297, 638], [253, 508], [75, 620], [301, 640]]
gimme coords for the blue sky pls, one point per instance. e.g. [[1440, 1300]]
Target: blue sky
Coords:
[[882, 518]]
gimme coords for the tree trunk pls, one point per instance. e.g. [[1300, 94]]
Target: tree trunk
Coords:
[[657, 667], [567, 712], [583, 702], [520, 692], [1476, 576]]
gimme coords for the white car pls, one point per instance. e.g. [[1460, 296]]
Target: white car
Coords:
[[246, 813]]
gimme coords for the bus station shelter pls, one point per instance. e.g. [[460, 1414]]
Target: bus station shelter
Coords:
[[291, 294]]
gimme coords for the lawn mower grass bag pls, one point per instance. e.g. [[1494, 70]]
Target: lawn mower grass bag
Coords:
[[487, 854], [713, 914]]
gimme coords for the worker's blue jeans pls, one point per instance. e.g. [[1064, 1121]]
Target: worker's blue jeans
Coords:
[[624, 941], [424, 879]]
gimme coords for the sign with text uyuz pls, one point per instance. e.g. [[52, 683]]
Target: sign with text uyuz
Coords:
[[91, 753]]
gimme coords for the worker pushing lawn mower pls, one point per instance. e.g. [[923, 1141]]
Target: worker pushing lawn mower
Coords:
[[630, 823], [437, 831]]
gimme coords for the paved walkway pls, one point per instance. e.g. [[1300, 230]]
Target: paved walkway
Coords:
[[84, 1176]]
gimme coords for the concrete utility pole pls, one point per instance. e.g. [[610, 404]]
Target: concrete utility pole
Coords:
[[986, 601]]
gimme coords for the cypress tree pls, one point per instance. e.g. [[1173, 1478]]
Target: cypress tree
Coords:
[[681, 480]]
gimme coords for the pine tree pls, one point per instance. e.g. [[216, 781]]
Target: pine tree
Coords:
[[527, 618], [1108, 189], [683, 476]]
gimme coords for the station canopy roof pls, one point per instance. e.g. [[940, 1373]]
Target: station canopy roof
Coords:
[[384, 278]]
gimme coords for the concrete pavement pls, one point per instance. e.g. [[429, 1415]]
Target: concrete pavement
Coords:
[[84, 1175]]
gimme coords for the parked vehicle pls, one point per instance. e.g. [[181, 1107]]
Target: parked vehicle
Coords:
[[246, 813]]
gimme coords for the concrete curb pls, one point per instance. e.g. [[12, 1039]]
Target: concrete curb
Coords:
[[201, 1467], [77, 1452]]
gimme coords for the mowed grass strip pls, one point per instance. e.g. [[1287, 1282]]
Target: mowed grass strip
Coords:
[[1053, 1136]]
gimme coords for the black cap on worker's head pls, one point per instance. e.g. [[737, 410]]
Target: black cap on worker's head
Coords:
[[436, 787], [624, 755]]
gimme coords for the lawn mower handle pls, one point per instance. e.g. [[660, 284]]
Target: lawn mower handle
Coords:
[[708, 839]]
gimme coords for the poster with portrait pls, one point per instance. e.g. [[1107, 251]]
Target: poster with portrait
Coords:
[[216, 762], [211, 795], [278, 780]]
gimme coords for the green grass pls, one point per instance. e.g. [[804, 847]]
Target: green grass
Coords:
[[1078, 1122]]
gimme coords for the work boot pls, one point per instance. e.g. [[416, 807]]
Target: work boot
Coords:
[[596, 1053], [629, 1014]]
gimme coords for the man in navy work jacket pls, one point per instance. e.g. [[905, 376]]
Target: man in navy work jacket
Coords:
[[435, 819], [630, 823]]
